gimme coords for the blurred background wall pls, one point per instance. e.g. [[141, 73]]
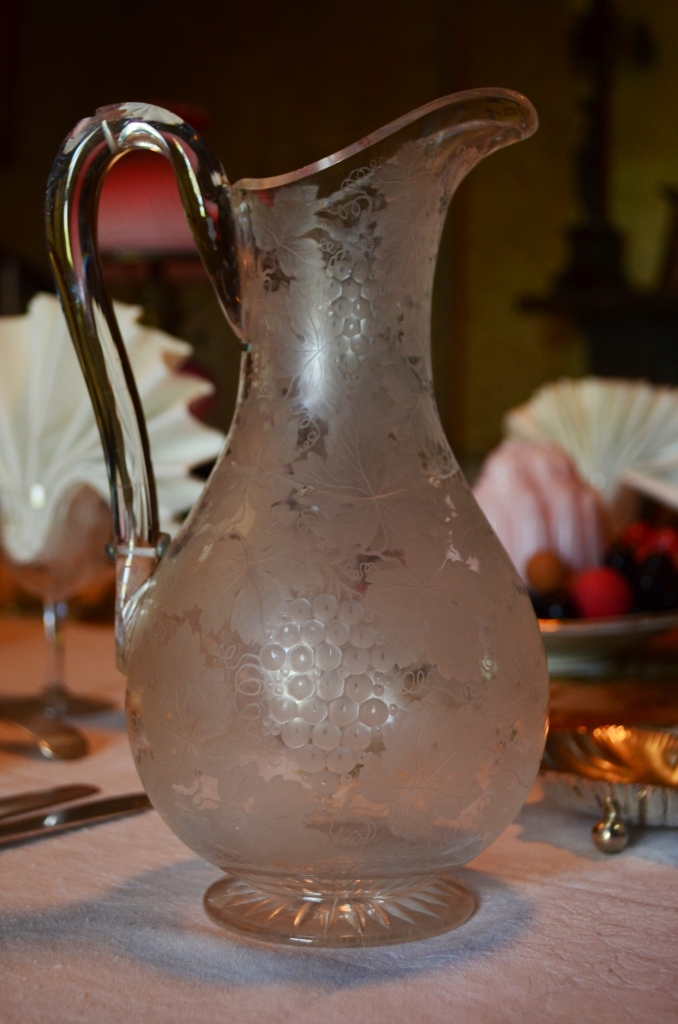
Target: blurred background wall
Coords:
[[288, 83]]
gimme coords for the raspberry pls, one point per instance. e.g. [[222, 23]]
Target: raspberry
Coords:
[[601, 592]]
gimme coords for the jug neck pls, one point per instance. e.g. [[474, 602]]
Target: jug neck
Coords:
[[337, 260], [338, 289]]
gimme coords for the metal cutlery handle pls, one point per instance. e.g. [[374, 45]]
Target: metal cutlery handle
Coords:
[[22, 803], [73, 817]]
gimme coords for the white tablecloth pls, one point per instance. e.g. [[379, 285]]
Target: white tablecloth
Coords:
[[106, 925]]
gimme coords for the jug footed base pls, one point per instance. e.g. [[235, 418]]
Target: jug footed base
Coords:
[[306, 912]]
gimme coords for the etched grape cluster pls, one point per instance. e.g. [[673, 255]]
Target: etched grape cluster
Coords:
[[327, 675], [351, 291]]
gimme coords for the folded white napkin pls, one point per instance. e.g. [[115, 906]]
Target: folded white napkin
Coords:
[[617, 432], [49, 441]]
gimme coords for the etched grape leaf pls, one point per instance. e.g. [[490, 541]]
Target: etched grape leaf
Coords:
[[189, 718], [306, 356], [250, 574], [430, 612], [411, 388], [281, 226], [426, 773], [363, 489], [409, 216], [267, 818], [257, 477]]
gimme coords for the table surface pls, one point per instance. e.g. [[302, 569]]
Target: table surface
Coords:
[[106, 924]]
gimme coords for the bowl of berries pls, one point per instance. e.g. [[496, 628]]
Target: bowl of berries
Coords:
[[594, 619], [583, 494]]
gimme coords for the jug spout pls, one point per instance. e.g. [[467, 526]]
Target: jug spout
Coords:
[[71, 210], [456, 132]]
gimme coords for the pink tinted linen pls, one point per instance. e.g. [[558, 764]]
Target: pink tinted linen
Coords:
[[106, 925]]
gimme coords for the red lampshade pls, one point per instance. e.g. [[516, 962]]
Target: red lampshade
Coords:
[[140, 210]]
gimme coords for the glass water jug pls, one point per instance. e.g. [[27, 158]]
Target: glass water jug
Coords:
[[337, 690]]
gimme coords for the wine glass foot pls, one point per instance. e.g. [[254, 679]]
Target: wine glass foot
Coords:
[[58, 700], [316, 912], [54, 738]]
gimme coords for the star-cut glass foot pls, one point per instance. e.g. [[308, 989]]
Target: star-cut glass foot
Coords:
[[310, 912]]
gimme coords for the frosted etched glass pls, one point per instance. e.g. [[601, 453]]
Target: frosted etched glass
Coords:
[[337, 689]]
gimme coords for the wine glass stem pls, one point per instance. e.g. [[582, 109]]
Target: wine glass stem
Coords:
[[53, 617]]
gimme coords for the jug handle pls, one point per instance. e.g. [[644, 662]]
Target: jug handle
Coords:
[[73, 191]]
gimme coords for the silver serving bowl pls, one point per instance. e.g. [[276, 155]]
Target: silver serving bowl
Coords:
[[638, 803], [585, 647], [621, 774]]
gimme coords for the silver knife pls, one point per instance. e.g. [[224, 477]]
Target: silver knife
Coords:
[[33, 800], [73, 817]]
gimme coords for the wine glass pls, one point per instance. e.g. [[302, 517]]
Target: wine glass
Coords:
[[72, 558]]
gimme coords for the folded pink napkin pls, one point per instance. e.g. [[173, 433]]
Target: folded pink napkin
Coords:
[[535, 501]]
